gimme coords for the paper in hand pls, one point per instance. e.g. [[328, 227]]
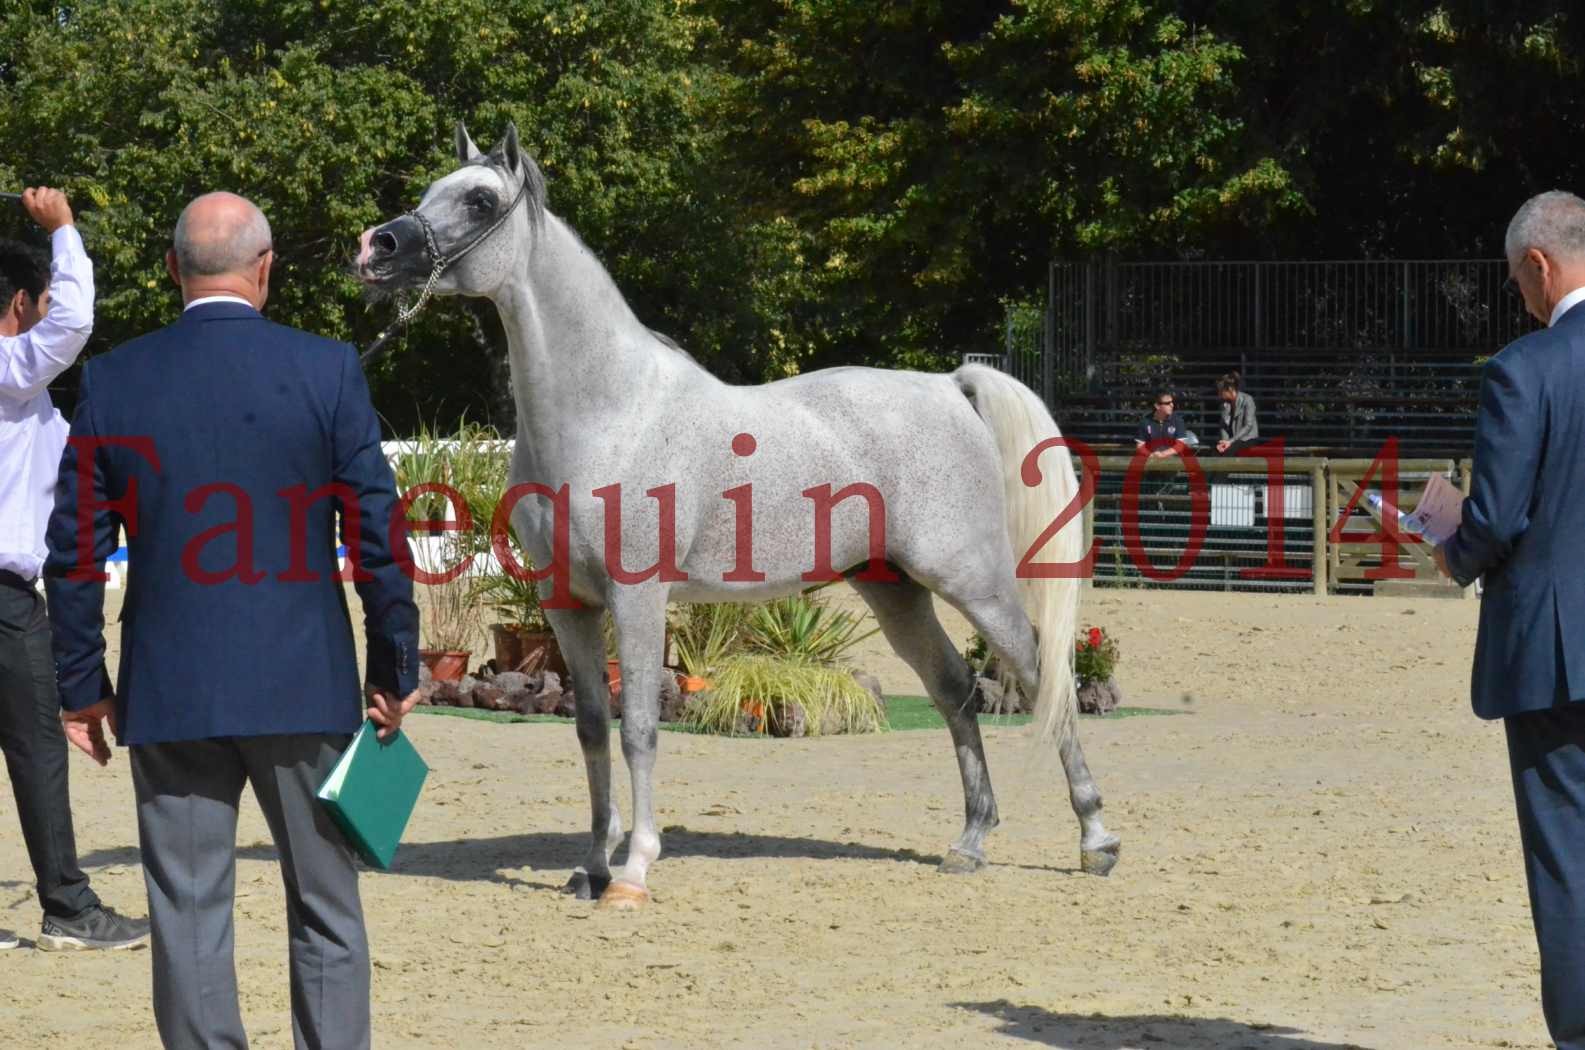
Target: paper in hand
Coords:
[[1437, 514]]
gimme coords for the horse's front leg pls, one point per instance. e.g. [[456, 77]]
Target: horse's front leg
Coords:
[[640, 620], [583, 647]]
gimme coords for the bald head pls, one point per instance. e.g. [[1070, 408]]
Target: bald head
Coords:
[[220, 233]]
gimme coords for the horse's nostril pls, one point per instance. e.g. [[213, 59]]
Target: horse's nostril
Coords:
[[384, 241]]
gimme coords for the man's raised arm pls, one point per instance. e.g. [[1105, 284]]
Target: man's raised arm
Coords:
[[29, 361]]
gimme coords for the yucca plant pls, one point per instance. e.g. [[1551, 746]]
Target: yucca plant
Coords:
[[706, 633], [804, 627], [473, 462], [758, 694]]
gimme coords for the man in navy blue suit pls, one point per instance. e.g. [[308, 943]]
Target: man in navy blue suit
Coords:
[[1522, 528], [225, 446]]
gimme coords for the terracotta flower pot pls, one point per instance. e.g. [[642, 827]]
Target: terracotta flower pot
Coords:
[[690, 683], [445, 665], [613, 673]]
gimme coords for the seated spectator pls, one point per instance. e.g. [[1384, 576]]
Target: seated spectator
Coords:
[[1161, 428], [1239, 429]]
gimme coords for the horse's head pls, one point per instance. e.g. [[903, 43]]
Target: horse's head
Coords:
[[472, 223]]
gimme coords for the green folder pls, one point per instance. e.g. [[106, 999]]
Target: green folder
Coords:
[[371, 792]]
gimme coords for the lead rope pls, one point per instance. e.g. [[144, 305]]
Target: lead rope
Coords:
[[442, 264]]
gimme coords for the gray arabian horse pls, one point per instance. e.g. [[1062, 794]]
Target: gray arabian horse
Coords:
[[632, 426]]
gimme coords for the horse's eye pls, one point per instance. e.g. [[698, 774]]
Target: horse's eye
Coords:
[[481, 202]]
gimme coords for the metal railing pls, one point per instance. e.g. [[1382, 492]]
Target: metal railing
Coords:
[[1338, 355], [1246, 524]]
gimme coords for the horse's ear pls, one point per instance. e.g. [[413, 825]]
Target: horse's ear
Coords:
[[507, 150], [466, 150]]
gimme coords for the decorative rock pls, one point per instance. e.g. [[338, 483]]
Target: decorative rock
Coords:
[[446, 693], [521, 701], [488, 696], [989, 698], [466, 684], [512, 681], [424, 673], [873, 685], [671, 699], [567, 707], [546, 702], [549, 682], [426, 690], [1098, 698], [786, 720]]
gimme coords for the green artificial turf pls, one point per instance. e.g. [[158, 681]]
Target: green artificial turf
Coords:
[[902, 712]]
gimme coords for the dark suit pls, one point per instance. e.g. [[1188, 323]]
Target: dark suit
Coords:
[[1521, 531], [237, 658]]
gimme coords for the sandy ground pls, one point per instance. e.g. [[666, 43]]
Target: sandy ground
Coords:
[[1319, 852]]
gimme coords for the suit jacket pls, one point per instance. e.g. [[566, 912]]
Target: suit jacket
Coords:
[[215, 431], [1524, 521]]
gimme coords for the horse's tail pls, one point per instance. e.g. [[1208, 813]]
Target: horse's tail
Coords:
[[1020, 422]]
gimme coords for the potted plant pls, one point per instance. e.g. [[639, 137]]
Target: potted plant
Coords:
[[451, 620], [759, 694], [704, 634], [462, 463], [523, 637], [1094, 663]]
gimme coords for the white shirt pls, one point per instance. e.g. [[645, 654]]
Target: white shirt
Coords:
[[217, 299], [1565, 304], [32, 433]]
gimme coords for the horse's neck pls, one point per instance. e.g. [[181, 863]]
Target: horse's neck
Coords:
[[577, 351]]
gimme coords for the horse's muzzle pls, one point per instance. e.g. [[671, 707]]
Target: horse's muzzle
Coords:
[[393, 253]]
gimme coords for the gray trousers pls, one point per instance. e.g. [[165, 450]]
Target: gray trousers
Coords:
[[187, 796]]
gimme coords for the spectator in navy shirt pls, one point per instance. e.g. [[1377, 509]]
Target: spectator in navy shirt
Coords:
[[1162, 428]]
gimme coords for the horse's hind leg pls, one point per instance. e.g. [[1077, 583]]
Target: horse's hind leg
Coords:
[[1007, 631], [583, 647], [908, 620]]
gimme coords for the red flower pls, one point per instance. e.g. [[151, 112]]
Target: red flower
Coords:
[[1079, 645], [1095, 637]]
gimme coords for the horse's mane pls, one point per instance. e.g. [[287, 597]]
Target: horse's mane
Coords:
[[535, 197]]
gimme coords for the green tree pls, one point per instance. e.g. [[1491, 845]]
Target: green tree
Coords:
[[334, 114], [936, 156]]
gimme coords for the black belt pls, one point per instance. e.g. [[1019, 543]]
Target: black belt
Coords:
[[14, 580]]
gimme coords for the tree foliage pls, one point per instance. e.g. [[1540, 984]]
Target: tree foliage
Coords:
[[785, 184]]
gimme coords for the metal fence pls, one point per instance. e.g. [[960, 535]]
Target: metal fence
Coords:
[[1149, 531], [1244, 524], [1338, 355]]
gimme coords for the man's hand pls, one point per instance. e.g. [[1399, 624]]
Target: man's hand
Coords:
[[1221, 446], [387, 711], [85, 729], [48, 207], [1440, 557]]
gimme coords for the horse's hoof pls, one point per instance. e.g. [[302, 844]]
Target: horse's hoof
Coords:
[[956, 863], [623, 896], [1101, 859], [586, 887]]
